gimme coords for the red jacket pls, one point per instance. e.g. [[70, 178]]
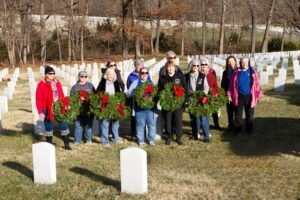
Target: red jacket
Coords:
[[212, 79], [44, 97]]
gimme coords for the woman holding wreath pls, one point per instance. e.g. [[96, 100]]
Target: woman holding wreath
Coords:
[[48, 92], [110, 85], [144, 105], [173, 117], [84, 120], [196, 81]]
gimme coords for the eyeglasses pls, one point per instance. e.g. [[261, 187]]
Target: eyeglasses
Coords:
[[83, 76], [143, 73], [195, 65], [51, 73], [170, 58], [113, 65]]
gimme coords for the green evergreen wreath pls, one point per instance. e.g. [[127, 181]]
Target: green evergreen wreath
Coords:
[[67, 109], [219, 98], [109, 107], [200, 104], [145, 95], [84, 102], [171, 97]]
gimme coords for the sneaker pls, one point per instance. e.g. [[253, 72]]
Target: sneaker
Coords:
[[168, 141], [141, 144], [152, 143], [192, 138], [106, 145], [88, 142], [180, 142], [119, 142], [67, 147], [206, 140]]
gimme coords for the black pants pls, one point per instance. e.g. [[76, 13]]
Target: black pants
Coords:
[[244, 102], [216, 119], [231, 113], [173, 122]]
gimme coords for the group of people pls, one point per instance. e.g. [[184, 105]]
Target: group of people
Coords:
[[240, 84]]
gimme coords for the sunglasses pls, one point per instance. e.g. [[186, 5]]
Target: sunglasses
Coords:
[[143, 73], [83, 76], [51, 73], [113, 65], [195, 65], [203, 64], [172, 57]]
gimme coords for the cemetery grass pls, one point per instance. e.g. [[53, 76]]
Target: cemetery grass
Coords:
[[261, 166]]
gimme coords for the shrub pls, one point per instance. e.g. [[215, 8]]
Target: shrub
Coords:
[[274, 44]]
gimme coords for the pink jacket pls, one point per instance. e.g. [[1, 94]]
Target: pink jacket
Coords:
[[256, 92]]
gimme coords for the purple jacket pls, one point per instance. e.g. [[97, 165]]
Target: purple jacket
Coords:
[[256, 92]]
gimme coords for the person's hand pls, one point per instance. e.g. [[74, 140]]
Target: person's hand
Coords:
[[41, 117], [229, 99], [81, 98]]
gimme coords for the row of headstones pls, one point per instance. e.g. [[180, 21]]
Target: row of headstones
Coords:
[[8, 92], [133, 167]]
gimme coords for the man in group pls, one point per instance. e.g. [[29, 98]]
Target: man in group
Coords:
[[244, 91]]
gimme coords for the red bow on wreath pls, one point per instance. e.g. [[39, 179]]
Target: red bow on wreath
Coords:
[[214, 92], [105, 101], [65, 105], [204, 100], [178, 91], [148, 91], [120, 108], [84, 94]]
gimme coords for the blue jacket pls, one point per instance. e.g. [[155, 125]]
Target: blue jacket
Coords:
[[135, 76]]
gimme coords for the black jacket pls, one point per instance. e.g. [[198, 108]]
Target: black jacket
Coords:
[[200, 81], [102, 85], [225, 81], [164, 79]]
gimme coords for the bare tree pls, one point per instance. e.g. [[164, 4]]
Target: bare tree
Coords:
[[264, 46], [43, 32], [203, 26], [157, 32], [222, 23]]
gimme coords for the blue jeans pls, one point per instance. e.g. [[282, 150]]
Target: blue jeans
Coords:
[[105, 128], [145, 118], [83, 122], [200, 122], [63, 127]]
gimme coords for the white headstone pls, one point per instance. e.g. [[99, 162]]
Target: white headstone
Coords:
[[133, 163], [282, 73], [44, 163], [279, 84], [270, 70], [3, 104], [72, 80], [1, 128], [65, 90], [263, 78]]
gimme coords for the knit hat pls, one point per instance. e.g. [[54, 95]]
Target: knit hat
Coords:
[[49, 69]]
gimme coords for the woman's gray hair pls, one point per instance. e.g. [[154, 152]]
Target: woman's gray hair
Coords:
[[170, 53], [193, 62], [110, 70], [138, 62], [204, 61]]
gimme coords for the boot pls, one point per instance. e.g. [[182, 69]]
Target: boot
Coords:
[[49, 139], [65, 138]]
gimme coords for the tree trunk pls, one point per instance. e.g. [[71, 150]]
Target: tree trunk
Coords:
[[222, 23], [252, 7], [43, 33], [203, 27], [125, 45], [264, 46], [283, 35], [182, 38], [151, 39], [136, 37], [157, 29], [82, 46]]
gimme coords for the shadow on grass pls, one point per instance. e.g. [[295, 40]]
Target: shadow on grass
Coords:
[[291, 94], [96, 177], [271, 136], [19, 168]]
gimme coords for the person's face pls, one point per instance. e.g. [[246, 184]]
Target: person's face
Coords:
[[171, 58], [195, 67], [171, 69], [110, 76], [50, 75], [245, 63], [138, 67], [144, 74], [231, 63], [113, 65], [83, 78], [204, 67]]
